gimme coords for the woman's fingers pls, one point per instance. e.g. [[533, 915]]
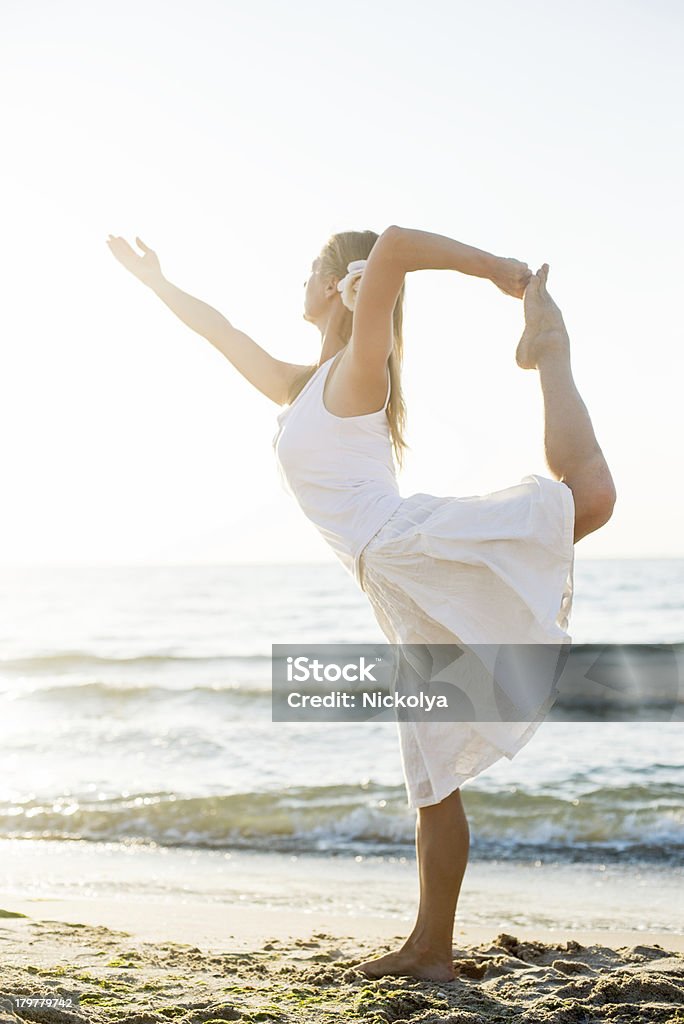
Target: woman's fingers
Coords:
[[523, 277], [121, 247], [117, 243]]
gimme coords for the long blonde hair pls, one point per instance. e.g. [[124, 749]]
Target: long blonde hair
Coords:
[[337, 253]]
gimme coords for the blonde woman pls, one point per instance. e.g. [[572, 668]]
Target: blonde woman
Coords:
[[483, 569]]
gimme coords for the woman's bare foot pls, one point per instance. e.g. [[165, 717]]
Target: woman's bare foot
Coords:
[[409, 961], [544, 326]]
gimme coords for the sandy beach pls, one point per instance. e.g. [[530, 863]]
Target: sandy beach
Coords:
[[144, 963]]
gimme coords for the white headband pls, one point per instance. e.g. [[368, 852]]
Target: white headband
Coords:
[[349, 285]]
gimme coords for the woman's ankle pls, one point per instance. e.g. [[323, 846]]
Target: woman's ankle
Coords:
[[425, 945]]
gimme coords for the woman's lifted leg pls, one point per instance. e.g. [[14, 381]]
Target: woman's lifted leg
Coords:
[[572, 451]]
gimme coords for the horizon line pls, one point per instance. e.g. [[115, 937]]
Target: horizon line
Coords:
[[273, 563]]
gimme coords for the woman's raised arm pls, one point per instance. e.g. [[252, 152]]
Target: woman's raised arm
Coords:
[[273, 377], [423, 250], [397, 252]]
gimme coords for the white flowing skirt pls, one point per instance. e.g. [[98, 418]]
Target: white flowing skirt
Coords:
[[485, 570]]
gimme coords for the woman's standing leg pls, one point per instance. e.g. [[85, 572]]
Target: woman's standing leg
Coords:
[[442, 846], [572, 451]]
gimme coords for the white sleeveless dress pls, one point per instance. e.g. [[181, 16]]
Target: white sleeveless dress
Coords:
[[479, 570]]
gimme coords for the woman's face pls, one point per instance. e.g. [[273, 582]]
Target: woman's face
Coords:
[[318, 293]]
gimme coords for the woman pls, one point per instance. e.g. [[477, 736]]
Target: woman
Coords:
[[488, 569]]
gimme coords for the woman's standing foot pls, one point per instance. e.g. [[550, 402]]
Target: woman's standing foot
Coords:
[[426, 965]]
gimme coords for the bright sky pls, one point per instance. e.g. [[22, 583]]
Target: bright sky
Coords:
[[233, 138]]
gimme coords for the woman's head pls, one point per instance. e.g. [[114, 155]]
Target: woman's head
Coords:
[[323, 299]]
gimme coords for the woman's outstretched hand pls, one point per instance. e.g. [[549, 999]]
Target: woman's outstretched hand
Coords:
[[511, 276], [146, 268]]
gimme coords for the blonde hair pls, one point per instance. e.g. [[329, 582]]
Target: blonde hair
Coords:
[[336, 254]]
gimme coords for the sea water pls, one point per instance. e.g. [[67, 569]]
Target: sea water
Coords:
[[135, 715]]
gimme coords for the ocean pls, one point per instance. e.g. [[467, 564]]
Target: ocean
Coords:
[[135, 708]]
